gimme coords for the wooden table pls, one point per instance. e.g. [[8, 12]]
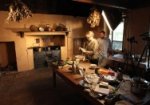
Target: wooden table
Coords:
[[73, 80]]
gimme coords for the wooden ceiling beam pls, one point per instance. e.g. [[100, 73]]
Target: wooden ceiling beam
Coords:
[[101, 4]]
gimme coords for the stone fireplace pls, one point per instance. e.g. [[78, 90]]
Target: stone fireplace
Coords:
[[44, 55], [43, 47], [7, 57]]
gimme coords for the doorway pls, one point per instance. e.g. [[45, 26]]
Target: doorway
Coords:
[[7, 57]]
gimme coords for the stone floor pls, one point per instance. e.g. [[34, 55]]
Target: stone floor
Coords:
[[35, 88]]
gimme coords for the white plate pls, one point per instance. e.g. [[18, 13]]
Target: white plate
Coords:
[[109, 77], [93, 66], [123, 102]]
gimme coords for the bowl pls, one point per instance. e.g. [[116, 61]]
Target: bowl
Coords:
[[93, 66]]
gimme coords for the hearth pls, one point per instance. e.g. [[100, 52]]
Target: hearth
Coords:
[[44, 55]]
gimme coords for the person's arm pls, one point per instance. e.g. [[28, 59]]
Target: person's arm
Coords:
[[94, 49], [89, 52], [85, 51]]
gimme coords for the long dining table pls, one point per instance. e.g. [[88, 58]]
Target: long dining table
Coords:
[[74, 79]]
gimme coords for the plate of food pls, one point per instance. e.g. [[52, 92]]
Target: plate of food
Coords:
[[109, 77]]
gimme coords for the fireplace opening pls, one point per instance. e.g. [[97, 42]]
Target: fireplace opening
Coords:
[[44, 55], [7, 57]]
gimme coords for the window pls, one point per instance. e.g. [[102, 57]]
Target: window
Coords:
[[117, 37]]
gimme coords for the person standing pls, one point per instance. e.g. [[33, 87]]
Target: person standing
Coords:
[[91, 48], [105, 48]]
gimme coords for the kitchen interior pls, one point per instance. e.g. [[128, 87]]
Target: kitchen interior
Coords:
[[36, 34]]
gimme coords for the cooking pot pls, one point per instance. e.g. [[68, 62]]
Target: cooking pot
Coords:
[[139, 86]]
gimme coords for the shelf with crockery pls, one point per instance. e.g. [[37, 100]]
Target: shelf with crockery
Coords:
[[45, 33]]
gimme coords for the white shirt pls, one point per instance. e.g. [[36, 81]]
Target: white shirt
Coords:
[[104, 46]]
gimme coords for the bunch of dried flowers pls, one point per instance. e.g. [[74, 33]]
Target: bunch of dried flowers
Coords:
[[18, 11], [94, 18]]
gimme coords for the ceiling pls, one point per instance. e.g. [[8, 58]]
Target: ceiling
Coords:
[[77, 7], [113, 8]]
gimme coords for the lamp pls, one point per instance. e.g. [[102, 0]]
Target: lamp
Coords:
[[18, 11], [94, 18]]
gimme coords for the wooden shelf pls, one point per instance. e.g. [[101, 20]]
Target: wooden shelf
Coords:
[[44, 33], [26, 31], [47, 33]]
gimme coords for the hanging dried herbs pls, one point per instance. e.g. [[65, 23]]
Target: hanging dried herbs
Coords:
[[18, 11], [94, 18]]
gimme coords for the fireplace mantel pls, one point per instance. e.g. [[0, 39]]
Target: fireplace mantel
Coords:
[[26, 32], [47, 33], [44, 33]]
